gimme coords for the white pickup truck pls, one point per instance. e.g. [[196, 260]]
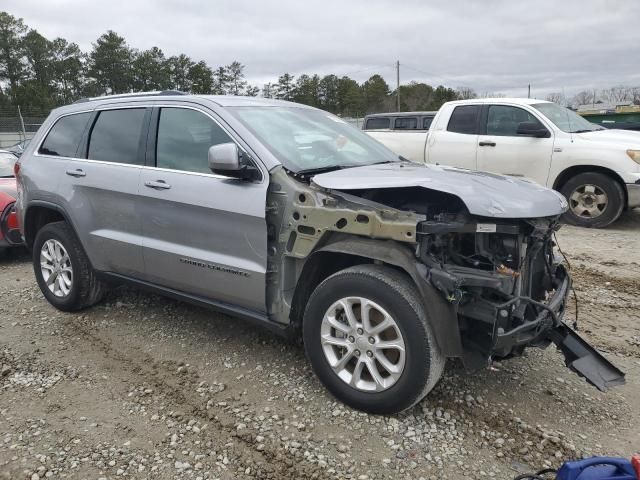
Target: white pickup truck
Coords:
[[597, 170]]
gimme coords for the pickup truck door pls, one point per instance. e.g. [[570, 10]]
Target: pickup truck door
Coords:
[[454, 142], [408, 143], [407, 138], [204, 234], [502, 150]]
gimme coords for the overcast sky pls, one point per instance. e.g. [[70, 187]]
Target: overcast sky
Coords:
[[490, 46]]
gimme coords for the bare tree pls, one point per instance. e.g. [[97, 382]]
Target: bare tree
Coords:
[[466, 93], [585, 97], [557, 97], [618, 94], [493, 95]]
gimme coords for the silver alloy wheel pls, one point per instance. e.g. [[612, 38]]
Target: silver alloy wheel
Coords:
[[56, 268], [363, 344], [588, 201]]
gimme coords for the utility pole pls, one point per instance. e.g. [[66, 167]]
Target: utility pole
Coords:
[[529, 92], [398, 83]]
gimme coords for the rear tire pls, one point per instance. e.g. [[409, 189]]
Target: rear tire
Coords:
[[595, 200], [386, 294], [62, 269]]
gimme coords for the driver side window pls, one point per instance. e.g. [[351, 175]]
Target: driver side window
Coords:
[[184, 138], [503, 120]]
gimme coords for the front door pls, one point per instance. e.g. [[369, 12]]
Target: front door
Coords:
[[502, 150], [204, 234]]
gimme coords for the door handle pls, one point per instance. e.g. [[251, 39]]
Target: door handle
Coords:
[[158, 185], [78, 172], [487, 144]]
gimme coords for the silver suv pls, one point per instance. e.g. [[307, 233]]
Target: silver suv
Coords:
[[288, 216]]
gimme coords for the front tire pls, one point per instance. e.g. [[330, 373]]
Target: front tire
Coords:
[[62, 269], [369, 341], [595, 200]]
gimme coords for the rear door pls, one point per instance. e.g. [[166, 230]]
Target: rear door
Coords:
[[204, 234], [502, 150], [455, 143], [101, 188]]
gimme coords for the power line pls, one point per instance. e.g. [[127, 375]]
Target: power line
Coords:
[[366, 70]]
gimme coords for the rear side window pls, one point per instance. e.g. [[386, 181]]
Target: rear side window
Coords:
[[426, 122], [377, 123], [406, 123], [116, 136], [64, 137], [464, 119], [184, 138]]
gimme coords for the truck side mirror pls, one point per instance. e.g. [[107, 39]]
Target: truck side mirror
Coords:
[[224, 159], [532, 129]]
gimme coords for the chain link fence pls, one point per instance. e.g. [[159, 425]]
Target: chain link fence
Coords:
[[19, 123]]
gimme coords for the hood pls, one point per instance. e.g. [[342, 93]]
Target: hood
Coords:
[[8, 186], [621, 138], [484, 194]]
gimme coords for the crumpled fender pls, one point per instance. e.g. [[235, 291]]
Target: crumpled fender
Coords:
[[442, 315]]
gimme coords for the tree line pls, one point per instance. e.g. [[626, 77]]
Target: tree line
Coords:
[[44, 73], [39, 72]]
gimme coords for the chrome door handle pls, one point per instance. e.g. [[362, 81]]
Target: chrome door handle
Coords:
[[76, 173], [487, 144], [158, 185]]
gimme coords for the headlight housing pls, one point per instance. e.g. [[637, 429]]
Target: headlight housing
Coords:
[[634, 155]]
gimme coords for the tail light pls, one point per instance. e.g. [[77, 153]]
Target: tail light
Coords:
[[16, 169]]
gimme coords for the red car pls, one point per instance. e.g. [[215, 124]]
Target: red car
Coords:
[[9, 233]]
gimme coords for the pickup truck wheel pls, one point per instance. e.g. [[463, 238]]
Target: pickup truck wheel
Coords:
[[595, 200], [369, 341], [62, 269]]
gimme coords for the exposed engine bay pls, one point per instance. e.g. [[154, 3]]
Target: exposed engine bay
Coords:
[[494, 285]]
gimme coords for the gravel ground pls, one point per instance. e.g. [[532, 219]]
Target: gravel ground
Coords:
[[144, 387]]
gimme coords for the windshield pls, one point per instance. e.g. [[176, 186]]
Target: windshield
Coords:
[[7, 161], [307, 139], [565, 119]]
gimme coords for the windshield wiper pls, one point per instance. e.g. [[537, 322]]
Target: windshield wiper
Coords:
[[329, 168], [587, 130]]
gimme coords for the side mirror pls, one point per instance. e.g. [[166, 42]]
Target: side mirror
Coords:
[[533, 129], [224, 159]]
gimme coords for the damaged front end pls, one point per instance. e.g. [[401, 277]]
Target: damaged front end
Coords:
[[508, 289]]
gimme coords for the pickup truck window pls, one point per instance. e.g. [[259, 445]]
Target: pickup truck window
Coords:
[[565, 119], [464, 119], [309, 139], [378, 123], [426, 122], [405, 123], [503, 120]]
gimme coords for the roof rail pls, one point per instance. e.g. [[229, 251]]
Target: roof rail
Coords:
[[156, 93]]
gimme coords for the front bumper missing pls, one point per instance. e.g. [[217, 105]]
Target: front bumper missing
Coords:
[[550, 315], [547, 327], [579, 356]]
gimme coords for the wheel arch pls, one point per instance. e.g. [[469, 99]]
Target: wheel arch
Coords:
[[346, 251], [39, 214], [570, 172]]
